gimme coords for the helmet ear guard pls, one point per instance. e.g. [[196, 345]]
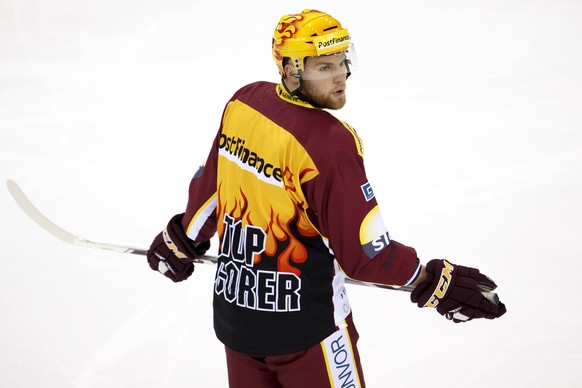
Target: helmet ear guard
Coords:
[[297, 68]]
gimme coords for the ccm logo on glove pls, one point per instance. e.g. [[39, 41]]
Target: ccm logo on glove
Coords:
[[172, 253], [170, 244], [443, 285]]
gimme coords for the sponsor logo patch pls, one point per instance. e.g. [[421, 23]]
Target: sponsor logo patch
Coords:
[[374, 235], [332, 43], [368, 192], [235, 150]]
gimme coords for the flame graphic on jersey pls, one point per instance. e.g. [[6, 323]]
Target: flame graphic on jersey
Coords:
[[281, 242]]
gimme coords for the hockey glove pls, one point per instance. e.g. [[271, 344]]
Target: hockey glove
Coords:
[[172, 253], [459, 293]]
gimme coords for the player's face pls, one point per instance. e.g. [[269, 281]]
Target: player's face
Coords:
[[324, 80]]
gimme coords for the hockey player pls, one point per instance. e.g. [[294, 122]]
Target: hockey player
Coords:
[[284, 186]]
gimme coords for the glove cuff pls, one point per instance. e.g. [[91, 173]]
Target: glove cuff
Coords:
[[179, 243]]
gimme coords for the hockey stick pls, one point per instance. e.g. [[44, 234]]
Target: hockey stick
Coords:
[[70, 238]]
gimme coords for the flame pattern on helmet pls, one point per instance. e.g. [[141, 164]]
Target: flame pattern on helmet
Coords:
[[287, 28]]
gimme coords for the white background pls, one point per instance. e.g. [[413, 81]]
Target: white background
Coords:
[[471, 114]]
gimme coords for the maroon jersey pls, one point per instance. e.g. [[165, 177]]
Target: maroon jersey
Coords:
[[285, 188]]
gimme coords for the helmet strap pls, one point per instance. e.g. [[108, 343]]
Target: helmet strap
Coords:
[[299, 92], [294, 93], [302, 96]]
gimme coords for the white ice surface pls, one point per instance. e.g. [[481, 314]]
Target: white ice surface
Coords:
[[471, 114]]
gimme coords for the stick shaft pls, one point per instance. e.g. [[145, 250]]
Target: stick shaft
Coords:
[[45, 223]]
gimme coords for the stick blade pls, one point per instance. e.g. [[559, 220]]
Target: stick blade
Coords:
[[35, 214], [41, 220]]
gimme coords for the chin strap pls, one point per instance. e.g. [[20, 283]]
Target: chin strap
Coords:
[[298, 93]]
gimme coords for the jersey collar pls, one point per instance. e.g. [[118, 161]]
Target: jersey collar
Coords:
[[286, 96]]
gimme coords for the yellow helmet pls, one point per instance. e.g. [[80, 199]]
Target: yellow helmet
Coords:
[[310, 33]]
